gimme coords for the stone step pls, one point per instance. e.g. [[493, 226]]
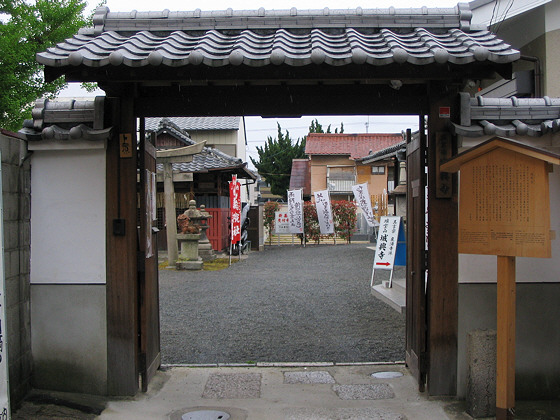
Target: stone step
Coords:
[[395, 297]]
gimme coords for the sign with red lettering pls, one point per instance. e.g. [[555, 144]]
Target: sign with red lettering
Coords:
[[281, 223], [235, 208]]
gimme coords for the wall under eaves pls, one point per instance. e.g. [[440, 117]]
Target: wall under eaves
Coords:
[[68, 266], [538, 294]]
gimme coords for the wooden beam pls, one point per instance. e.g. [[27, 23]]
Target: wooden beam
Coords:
[[122, 287], [505, 363], [170, 217], [443, 261], [180, 154]]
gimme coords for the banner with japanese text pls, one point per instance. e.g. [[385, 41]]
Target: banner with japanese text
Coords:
[[361, 194], [235, 208], [324, 211], [295, 211]]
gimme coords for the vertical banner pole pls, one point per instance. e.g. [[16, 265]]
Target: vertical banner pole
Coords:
[[505, 366]]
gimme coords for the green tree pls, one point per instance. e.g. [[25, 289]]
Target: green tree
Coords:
[[316, 127], [275, 160], [29, 27]]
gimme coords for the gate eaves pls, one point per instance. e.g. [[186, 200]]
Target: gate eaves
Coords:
[[310, 61]]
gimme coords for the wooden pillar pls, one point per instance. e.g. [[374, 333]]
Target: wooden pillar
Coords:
[[505, 363], [122, 274], [170, 214], [442, 290]]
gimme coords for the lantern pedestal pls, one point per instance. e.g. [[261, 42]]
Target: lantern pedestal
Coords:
[[188, 258]]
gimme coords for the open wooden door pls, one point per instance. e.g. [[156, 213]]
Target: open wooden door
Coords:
[[148, 287], [415, 268]]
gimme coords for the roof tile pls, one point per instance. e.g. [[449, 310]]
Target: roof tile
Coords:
[[355, 145], [295, 38]]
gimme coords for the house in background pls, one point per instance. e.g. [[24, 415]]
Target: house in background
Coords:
[[204, 179], [393, 159], [335, 164], [226, 134], [300, 177]]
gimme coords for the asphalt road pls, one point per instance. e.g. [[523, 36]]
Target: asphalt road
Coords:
[[285, 304]]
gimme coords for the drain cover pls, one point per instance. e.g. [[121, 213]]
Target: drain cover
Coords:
[[205, 415], [386, 375]]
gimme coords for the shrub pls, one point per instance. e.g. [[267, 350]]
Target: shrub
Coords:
[[270, 207], [345, 218]]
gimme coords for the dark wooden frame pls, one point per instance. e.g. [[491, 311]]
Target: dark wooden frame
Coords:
[[189, 91]]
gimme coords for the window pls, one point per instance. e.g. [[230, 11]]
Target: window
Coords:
[[378, 170]]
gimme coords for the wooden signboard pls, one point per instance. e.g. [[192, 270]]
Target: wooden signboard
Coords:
[[504, 206], [504, 210]]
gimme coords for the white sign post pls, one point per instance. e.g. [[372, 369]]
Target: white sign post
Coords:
[[281, 224], [387, 242]]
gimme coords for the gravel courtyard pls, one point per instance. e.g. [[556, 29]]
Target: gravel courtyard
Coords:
[[285, 304]]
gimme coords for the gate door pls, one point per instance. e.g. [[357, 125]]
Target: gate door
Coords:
[[415, 268], [148, 292]]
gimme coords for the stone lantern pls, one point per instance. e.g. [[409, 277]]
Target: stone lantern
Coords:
[[188, 239], [204, 246]]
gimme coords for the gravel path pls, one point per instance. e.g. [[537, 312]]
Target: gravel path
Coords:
[[285, 304]]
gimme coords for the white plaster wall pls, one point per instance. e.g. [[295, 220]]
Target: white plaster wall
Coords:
[[483, 14], [552, 15], [69, 337], [68, 216]]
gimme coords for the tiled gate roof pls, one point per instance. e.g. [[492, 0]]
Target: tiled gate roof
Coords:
[[293, 37]]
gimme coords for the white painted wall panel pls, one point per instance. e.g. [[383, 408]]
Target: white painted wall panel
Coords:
[[68, 217]]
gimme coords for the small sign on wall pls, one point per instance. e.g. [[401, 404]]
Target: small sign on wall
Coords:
[[125, 145], [445, 112]]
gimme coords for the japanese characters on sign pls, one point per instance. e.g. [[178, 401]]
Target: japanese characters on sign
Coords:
[[281, 222], [361, 194], [125, 145], [324, 212], [504, 206], [387, 242], [295, 211], [235, 208], [444, 151]]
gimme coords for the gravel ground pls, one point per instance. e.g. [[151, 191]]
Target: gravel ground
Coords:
[[285, 304]]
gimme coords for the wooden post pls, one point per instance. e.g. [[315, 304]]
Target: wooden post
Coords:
[[443, 261], [170, 218], [505, 375]]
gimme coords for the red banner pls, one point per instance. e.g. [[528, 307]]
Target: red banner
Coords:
[[235, 206]]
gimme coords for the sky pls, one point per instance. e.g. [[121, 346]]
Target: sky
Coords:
[[258, 129]]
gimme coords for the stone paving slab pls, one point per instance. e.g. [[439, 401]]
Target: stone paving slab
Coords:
[[364, 392], [233, 386], [342, 413], [319, 377]]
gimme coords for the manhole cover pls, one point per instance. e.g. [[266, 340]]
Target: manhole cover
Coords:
[[386, 375], [205, 415]]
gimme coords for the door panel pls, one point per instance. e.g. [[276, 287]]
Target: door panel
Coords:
[[415, 272], [148, 290]]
